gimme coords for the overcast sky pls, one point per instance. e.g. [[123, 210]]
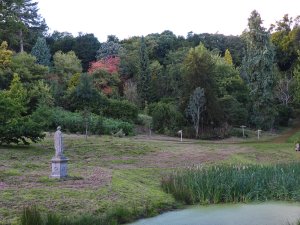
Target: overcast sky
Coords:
[[127, 18]]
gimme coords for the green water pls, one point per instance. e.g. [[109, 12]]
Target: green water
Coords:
[[272, 213]]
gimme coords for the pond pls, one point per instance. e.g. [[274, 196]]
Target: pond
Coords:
[[271, 213]]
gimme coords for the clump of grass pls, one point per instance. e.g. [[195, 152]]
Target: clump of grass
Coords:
[[31, 216], [224, 184], [114, 216]]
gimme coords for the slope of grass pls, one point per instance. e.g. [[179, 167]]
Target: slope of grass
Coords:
[[111, 176]]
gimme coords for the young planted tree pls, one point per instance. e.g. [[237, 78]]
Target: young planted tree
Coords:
[[196, 107], [258, 68], [41, 51]]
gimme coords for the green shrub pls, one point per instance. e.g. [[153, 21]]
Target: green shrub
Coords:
[[74, 122], [122, 110], [113, 126], [166, 117]]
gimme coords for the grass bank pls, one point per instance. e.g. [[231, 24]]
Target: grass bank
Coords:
[[113, 176]]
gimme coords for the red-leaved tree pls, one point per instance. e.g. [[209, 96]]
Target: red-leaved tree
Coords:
[[105, 73], [110, 64]]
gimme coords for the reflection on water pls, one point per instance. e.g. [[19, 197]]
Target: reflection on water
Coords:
[[272, 213]]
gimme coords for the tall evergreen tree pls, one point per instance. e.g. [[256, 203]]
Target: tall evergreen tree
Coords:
[[144, 75], [258, 68], [20, 22], [41, 51]]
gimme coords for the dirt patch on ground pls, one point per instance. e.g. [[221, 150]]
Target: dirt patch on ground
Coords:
[[98, 177], [177, 154], [94, 179]]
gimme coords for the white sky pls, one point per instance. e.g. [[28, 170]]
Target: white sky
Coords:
[[127, 18]]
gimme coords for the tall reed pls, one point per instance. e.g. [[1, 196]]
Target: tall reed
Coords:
[[224, 183]]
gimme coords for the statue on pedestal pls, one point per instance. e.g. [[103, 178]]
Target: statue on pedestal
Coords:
[[59, 161]]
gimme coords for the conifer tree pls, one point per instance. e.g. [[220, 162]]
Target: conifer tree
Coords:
[[258, 68], [41, 51], [144, 75], [20, 23]]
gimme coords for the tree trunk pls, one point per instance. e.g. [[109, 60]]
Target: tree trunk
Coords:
[[21, 41]]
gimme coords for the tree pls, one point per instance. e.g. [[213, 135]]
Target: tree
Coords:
[[105, 75], [5, 55], [258, 68], [85, 47], [144, 74], [19, 18], [284, 90], [85, 96], [66, 64], [15, 125], [110, 64], [296, 74], [5, 65], [196, 107], [200, 72], [227, 57], [41, 51], [110, 48], [286, 41], [60, 41], [26, 67], [175, 71]]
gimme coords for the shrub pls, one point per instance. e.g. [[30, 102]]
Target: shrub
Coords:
[[113, 126], [166, 118], [75, 122], [122, 110]]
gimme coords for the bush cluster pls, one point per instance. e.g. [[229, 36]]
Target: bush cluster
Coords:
[[75, 122], [121, 109], [166, 118]]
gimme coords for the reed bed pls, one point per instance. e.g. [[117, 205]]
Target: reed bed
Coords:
[[225, 183]]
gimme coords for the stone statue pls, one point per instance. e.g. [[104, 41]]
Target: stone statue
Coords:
[[58, 143], [59, 161]]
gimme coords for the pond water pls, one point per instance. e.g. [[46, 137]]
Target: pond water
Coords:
[[271, 213]]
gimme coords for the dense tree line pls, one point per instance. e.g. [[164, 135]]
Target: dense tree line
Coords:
[[204, 84]]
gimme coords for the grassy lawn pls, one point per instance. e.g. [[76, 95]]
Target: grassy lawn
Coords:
[[106, 172]]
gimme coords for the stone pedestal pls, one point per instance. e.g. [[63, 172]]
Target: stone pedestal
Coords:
[[59, 167]]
